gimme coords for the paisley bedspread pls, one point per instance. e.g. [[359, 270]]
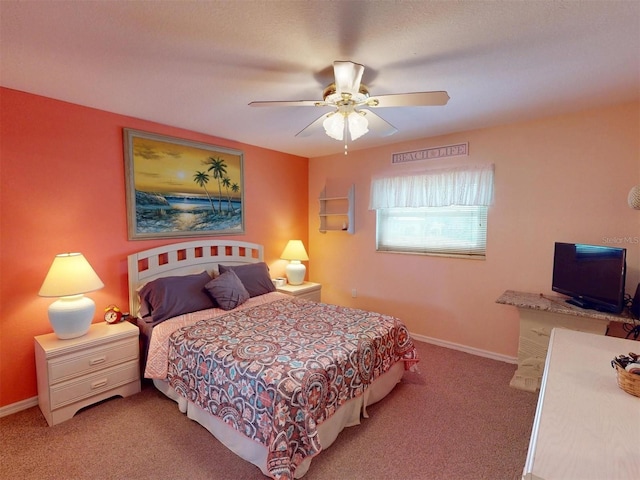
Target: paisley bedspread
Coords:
[[277, 370]]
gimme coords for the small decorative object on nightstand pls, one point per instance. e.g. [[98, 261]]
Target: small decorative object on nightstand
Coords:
[[307, 290], [112, 314], [78, 372]]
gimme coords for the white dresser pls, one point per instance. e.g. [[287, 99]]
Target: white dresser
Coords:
[[78, 372], [585, 427]]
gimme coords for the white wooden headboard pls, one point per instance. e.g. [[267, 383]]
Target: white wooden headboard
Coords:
[[186, 258]]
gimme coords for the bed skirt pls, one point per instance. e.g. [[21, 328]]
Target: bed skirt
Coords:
[[346, 416]]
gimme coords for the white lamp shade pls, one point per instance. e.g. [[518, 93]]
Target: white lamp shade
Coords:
[[295, 252], [70, 275]]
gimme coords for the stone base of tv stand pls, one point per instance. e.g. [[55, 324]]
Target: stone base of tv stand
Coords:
[[539, 314]]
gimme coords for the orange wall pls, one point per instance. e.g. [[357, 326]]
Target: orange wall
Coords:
[[63, 189], [564, 178]]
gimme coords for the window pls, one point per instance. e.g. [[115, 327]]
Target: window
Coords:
[[460, 230], [440, 212]]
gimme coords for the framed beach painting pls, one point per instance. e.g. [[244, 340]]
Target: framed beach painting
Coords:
[[180, 188]]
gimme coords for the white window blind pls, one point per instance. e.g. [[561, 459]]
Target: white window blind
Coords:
[[441, 212]]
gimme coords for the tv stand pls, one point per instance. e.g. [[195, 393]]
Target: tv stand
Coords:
[[539, 314]]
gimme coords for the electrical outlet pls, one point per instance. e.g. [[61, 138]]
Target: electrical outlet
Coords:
[[354, 293]]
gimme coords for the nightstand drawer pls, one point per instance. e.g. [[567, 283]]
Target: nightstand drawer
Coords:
[[93, 359], [73, 390], [313, 296]]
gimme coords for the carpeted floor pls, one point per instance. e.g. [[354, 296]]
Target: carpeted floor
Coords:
[[457, 419]]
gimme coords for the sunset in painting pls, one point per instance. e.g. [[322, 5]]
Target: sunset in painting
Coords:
[[163, 167]]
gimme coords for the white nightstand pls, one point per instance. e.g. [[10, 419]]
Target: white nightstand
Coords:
[[308, 290], [78, 372]]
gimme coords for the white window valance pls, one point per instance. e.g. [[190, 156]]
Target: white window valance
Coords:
[[468, 185]]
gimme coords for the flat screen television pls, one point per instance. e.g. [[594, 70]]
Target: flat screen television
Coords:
[[592, 275]]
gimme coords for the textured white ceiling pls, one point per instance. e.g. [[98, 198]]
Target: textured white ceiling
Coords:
[[197, 65]]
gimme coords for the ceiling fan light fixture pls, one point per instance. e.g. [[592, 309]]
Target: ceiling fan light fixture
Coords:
[[346, 95], [348, 76], [358, 125], [334, 125], [331, 96]]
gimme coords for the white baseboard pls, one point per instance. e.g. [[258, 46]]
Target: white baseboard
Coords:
[[18, 406], [466, 349]]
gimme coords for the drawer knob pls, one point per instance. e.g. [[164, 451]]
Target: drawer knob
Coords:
[[97, 360], [99, 383]]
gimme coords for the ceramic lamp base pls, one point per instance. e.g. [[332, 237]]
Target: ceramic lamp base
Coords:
[[295, 272], [71, 316]]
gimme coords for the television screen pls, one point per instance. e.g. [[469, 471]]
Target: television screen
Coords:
[[592, 275]]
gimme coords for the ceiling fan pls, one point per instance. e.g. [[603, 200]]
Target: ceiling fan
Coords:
[[351, 115]]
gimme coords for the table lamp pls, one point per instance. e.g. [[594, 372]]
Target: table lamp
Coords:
[[69, 277], [295, 253]]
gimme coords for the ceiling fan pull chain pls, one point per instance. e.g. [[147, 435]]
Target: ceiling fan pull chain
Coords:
[[345, 133]]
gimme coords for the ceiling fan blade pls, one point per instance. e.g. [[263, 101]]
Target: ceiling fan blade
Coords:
[[379, 125], [297, 103], [348, 76], [418, 99], [313, 127]]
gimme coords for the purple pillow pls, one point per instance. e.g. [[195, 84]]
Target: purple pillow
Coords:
[[227, 290], [168, 297], [254, 276]]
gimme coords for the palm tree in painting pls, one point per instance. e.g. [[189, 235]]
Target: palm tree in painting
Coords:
[[235, 188], [226, 183], [218, 169], [202, 178]]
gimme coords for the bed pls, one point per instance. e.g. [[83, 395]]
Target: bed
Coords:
[[273, 377]]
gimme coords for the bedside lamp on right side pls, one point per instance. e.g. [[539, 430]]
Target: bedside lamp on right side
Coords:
[[295, 253]]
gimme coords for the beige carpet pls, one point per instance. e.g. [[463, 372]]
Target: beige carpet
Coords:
[[457, 419]]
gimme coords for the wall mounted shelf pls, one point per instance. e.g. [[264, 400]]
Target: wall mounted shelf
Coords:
[[336, 213]]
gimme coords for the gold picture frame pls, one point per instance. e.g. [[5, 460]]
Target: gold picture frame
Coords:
[[181, 188]]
